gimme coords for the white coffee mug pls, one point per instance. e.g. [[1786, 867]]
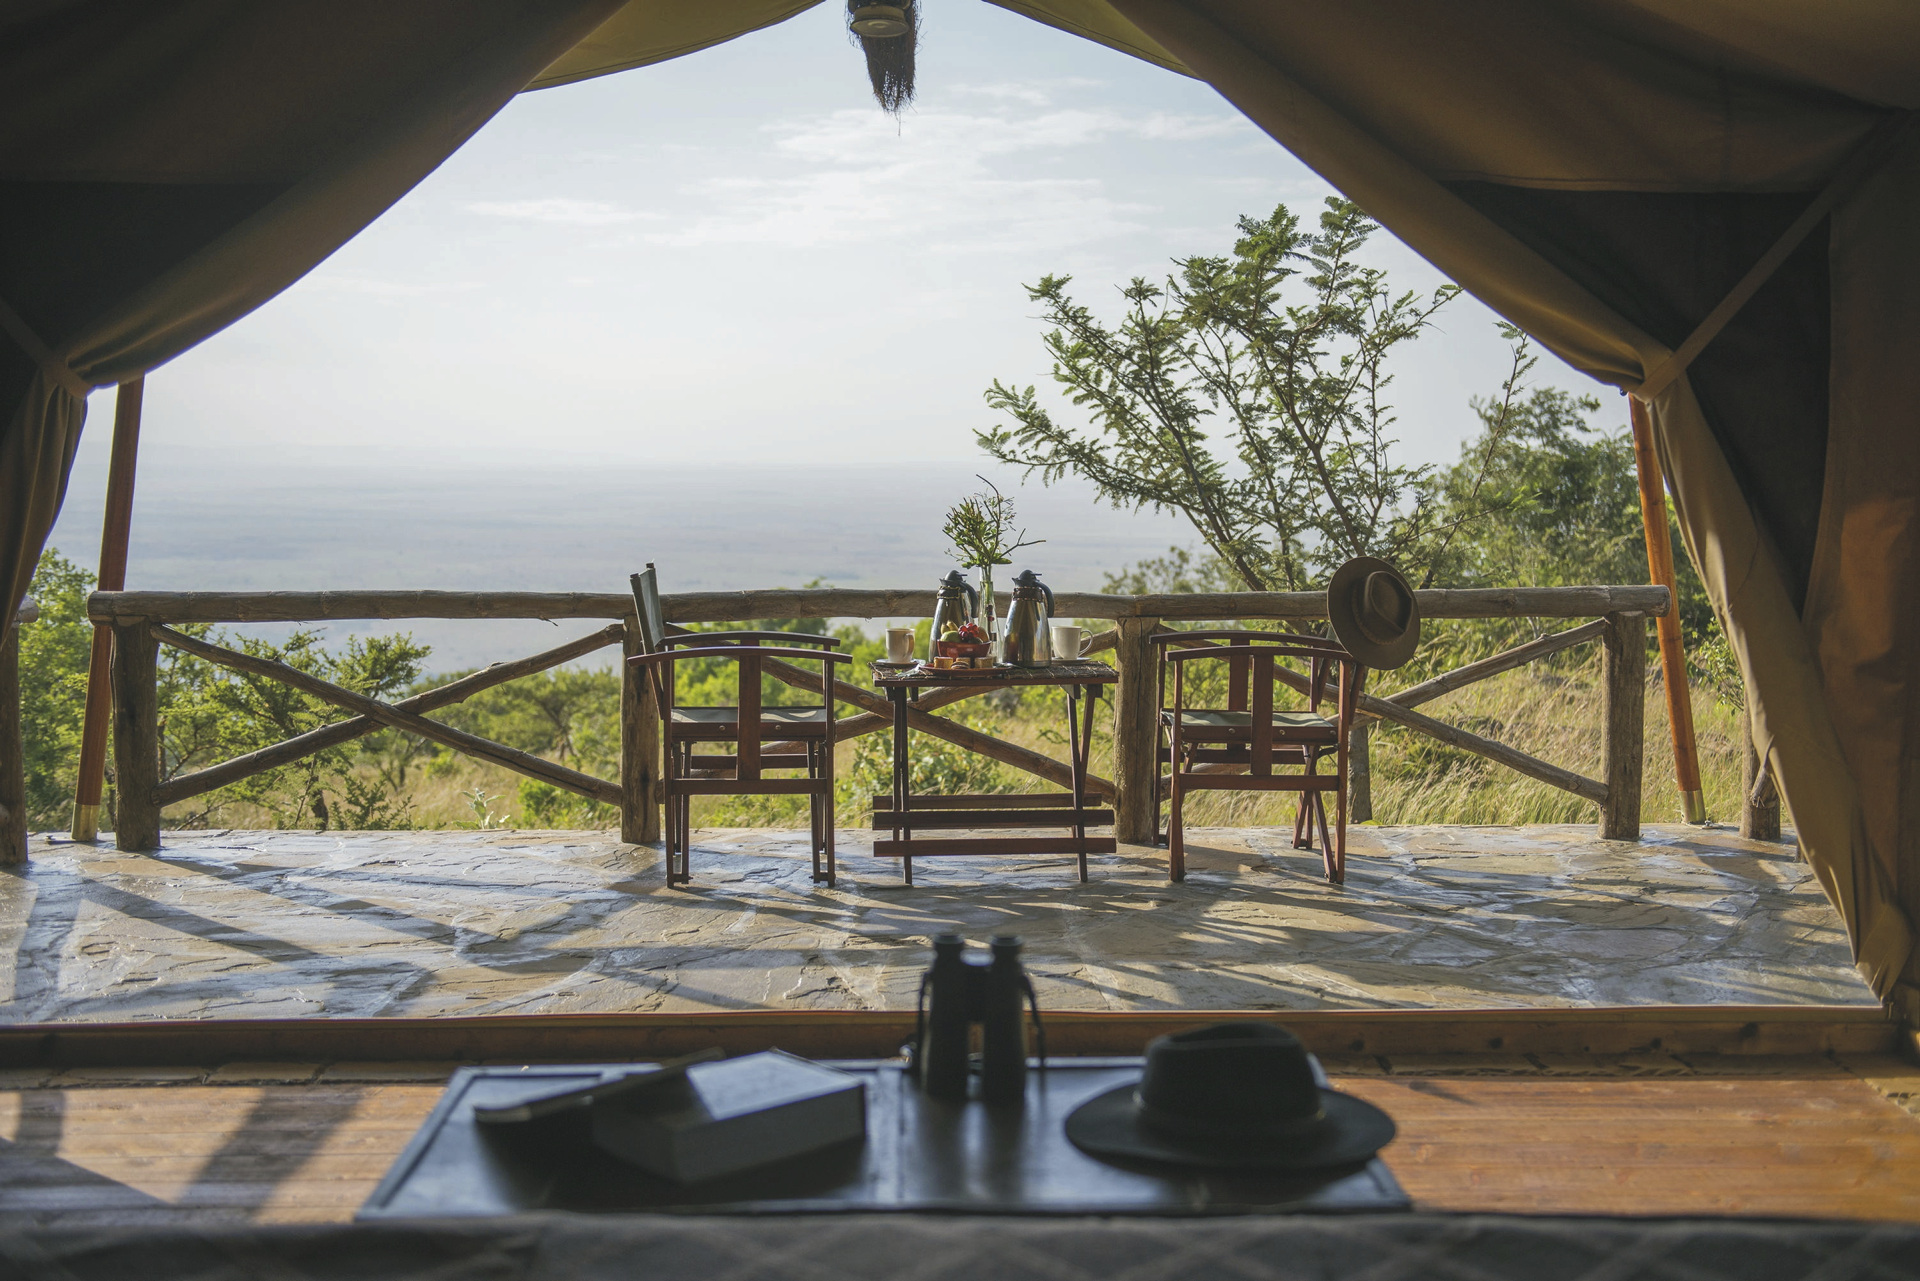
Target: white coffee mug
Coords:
[[899, 644], [1067, 642]]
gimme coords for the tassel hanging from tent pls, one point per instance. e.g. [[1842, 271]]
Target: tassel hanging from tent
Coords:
[[887, 34]]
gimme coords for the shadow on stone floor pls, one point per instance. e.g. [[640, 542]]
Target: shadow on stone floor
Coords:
[[251, 924]]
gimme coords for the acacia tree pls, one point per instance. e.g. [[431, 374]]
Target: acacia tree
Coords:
[[1248, 394]]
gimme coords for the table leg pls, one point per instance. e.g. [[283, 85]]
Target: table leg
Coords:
[[1077, 755], [899, 697]]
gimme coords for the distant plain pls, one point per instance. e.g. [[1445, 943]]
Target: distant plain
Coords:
[[202, 523]]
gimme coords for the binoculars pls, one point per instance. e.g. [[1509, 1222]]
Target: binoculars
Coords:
[[956, 995]]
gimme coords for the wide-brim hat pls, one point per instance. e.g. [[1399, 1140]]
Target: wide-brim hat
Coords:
[[1374, 612], [1235, 1096]]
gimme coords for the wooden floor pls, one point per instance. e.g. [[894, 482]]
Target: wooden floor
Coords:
[[1816, 1146], [1802, 1138]]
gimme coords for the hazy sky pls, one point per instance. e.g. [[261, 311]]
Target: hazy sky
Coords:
[[736, 255]]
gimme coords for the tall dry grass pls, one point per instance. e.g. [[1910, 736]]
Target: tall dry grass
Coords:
[[1553, 714]]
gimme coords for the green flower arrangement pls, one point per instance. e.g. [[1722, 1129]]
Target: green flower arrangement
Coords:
[[980, 526]]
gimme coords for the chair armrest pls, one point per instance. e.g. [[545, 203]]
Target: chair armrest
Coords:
[[738, 652], [788, 638], [1332, 649]]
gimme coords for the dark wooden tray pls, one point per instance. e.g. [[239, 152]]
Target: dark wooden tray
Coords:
[[919, 1155], [957, 673]]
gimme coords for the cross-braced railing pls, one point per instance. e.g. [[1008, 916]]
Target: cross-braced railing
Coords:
[[141, 622]]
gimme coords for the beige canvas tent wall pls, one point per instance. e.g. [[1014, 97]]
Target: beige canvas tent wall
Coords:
[[1601, 172]]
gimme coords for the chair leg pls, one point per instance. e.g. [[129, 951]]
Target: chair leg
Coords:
[[670, 828], [813, 811], [813, 833], [686, 840], [1326, 838], [673, 824], [823, 807], [1176, 831], [670, 809], [1339, 869], [833, 869], [668, 831], [1303, 814], [1159, 794]]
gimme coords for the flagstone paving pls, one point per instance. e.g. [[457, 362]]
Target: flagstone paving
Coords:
[[280, 924]]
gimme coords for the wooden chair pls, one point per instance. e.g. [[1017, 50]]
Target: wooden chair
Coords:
[[721, 751], [1250, 745]]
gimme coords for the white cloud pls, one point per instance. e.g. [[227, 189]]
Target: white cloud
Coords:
[[956, 181], [866, 137], [342, 283], [559, 209], [1035, 93]]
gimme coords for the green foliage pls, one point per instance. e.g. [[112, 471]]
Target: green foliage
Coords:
[[1180, 570], [1555, 501], [1247, 394], [935, 766], [210, 713], [565, 714], [1564, 493], [1712, 666], [485, 818], [54, 653], [544, 805]]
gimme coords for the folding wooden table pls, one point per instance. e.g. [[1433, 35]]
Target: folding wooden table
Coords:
[[903, 814]]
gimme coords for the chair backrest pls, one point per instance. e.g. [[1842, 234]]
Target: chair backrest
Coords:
[[1240, 647], [646, 606], [750, 720], [1252, 656]]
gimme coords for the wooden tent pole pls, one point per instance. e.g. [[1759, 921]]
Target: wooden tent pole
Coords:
[[115, 533], [1673, 654]]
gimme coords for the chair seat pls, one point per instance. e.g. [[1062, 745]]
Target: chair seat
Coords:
[[1300, 724], [731, 715]]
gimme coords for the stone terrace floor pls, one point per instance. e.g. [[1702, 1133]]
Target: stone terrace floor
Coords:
[[283, 924]]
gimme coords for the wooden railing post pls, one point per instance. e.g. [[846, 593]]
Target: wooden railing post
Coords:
[[1623, 681], [116, 527], [639, 749], [13, 763], [1759, 815], [136, 737], [1136, 732]]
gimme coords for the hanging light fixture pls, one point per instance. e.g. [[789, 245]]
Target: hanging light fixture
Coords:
[[887, 35], [880, 21]]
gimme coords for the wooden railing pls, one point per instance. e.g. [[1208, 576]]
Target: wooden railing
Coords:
[[140, 623]]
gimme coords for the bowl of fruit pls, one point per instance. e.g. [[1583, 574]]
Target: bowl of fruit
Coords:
[[968, 641]]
